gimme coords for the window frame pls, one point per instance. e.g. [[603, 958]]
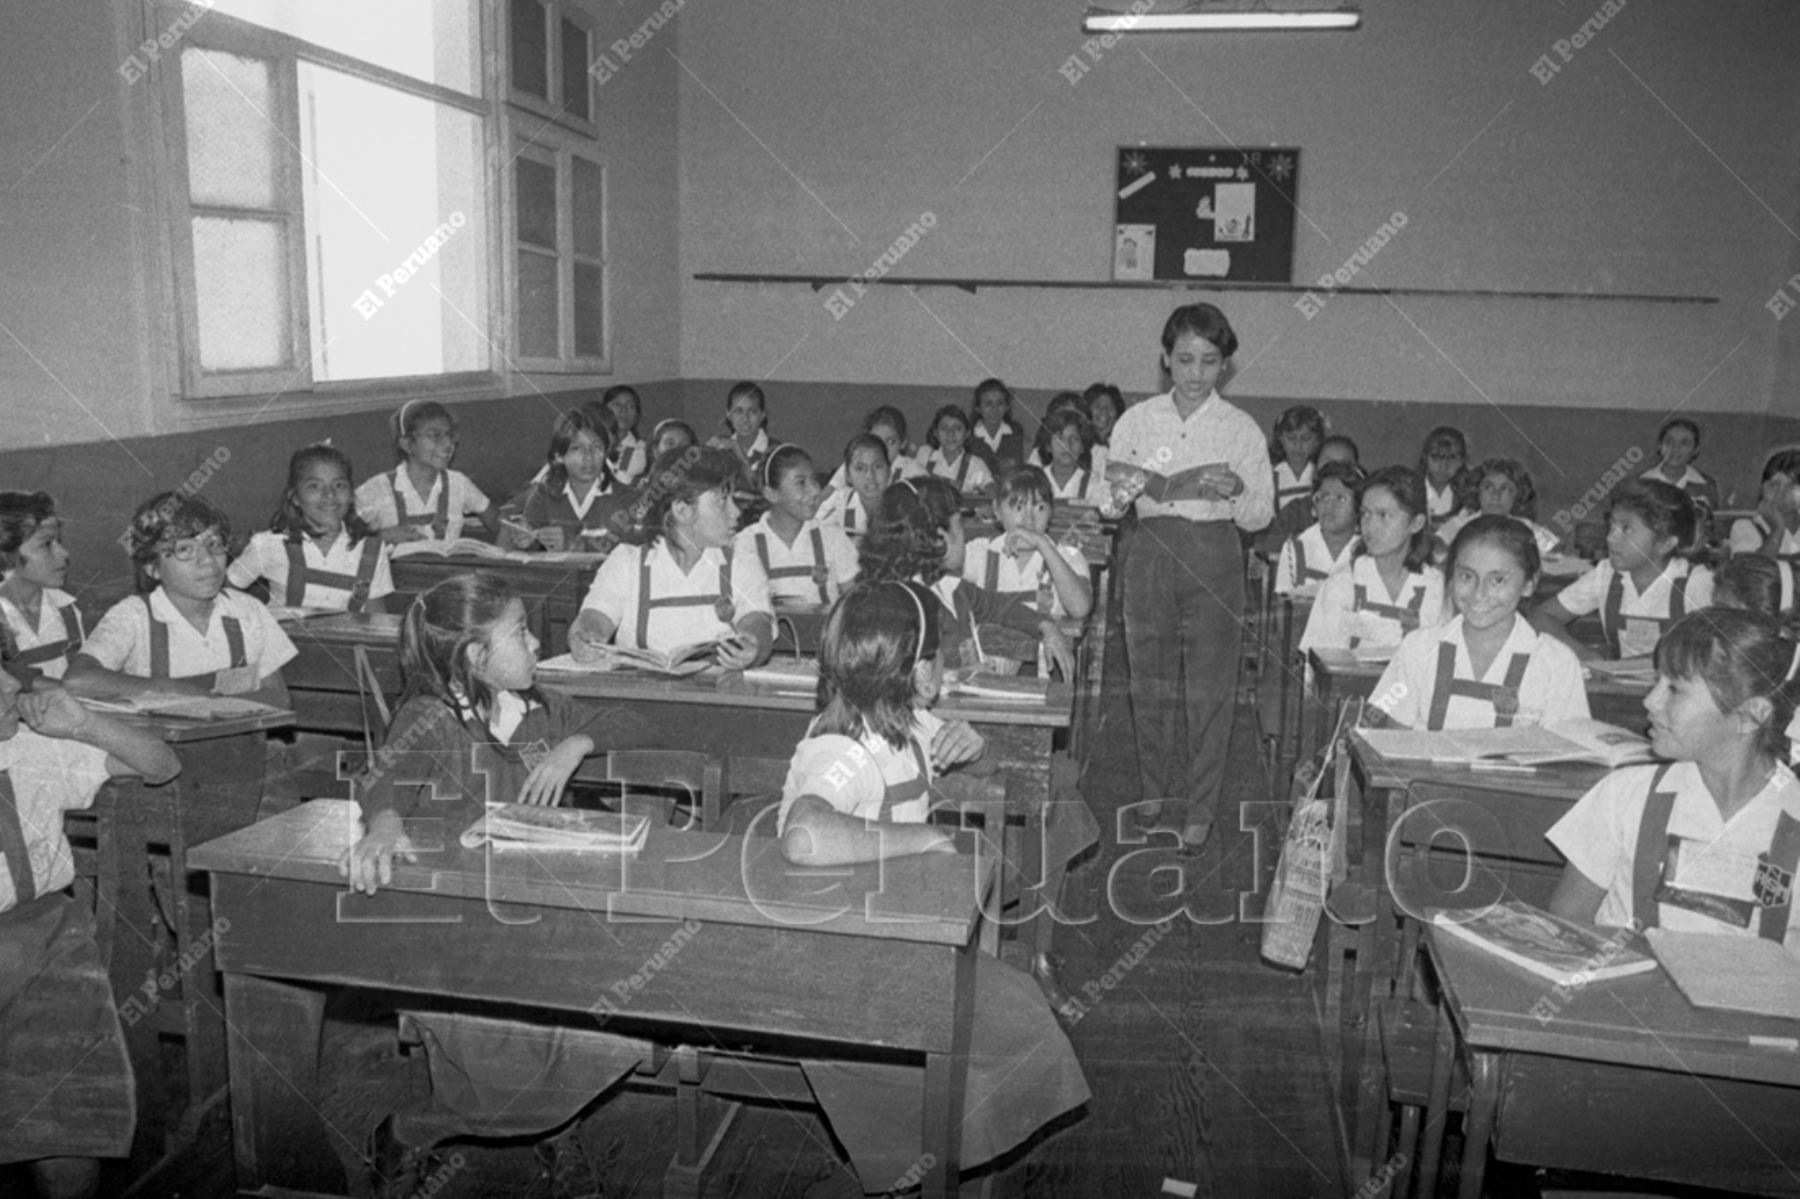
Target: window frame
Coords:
[[550, 107], [550, 145]]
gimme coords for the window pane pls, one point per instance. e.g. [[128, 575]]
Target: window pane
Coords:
[[575, 70], [590, 228], [537, 305], [438, 41], [396, 240], [530, 46], [231, 129], [240, 281], [537, 203], [590, 314]]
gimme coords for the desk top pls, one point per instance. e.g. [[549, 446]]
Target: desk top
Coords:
[[1342, 668], [346, 628], [1641, 1020], [1558, 780], [932, 898]]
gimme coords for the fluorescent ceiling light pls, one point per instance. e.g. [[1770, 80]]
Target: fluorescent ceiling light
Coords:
[[1216, 21]]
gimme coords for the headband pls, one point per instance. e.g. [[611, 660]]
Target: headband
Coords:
[[768, 461], [908, 484], [1793, 665], [925, 604], [1786, 570]]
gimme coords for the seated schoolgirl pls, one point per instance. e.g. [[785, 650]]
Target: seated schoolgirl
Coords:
[[67, 1092], [630, 455], [1024, 562], [1075, 465], [948, 455], [1105, 404], [889, 424], [317, 552], [185, 631], [807, 561], [1309, 557], [998, 440], [40, 626], [575, 506], [1061, 402], [1679, 442], [858, 790], [853, 507], [746, 436], [1339, 447], [1645, 584], [1709, 839], [422, 499], [671, 434], [1504, 489], [1390, 588], [473, 724], [1487, 667], [1444, 455], [1774, 529], [918, 538], [686, 585], [1753, 583], [1293, 450]]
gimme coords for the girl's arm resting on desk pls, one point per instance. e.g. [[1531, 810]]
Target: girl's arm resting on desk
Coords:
[[592, 630], [1071, 588], [820, 835], [754, 642], [57, 713], [1552, 619], [544, 785], [271, 690], [87, 677], [395, 534], [375, 607], [370, 862], [490, 520], [1577, 897]]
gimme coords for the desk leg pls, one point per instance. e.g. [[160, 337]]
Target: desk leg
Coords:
[[1484, 1104], [1437, 1099], [946, 1084], [276, 1134]]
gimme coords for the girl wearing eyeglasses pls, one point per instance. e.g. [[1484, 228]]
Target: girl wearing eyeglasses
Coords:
[[422, 499]]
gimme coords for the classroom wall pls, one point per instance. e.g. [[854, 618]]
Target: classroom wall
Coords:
[[1660, 159]]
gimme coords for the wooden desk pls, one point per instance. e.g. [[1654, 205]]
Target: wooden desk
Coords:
[[552, 591], [875, 958], [1625, 1077], [152, 924]]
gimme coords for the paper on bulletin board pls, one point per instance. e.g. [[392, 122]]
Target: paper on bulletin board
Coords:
[[1216, 212], [1134, 252]]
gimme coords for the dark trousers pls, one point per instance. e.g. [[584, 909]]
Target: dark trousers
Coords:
[[1184, 627]]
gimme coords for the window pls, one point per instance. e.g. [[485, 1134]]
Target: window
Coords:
[[550, 54], [559, 266]]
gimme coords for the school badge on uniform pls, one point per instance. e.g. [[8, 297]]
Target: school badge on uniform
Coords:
[[1506, 702], [723, 608], [1773, 886], [533, 753]]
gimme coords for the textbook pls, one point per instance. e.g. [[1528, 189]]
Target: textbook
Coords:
[[528, 826], [999, 686], [799, 675], [1624, 670], [469, 547], [1565, 741], [185, 707], [1731, 973], [682, 660], [1566, 953]]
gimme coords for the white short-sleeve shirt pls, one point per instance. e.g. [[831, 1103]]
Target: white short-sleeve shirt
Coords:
[[633, 458], [1309, 547], [1552, 688], [852, 774], [1084, 485], [904, 467], [50, 628], [1546, 540], [1017, 575], [375, 499], [1337, 623], [1440, 502], [1747, 538], [1290, 486], [844, 508], [840, 558], [49, 776], [615, 595], [1599, 837], [1639, 637], [266, 557], [121, 641], [976, 477]]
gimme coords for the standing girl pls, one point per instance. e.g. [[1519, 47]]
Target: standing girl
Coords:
[[852, 507], [629, 457], [807, 561], [949, 456], [1390, 588], [1200, 469], [1487, 667], [574, 507], [317, 552], [422, 499], [40, 626], [1444, 455], [686, 586], [1709, 839], [858, 790], [999, 442], [1645, 585]]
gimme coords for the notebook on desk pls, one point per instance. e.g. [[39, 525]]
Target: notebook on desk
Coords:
[[1734, 974]]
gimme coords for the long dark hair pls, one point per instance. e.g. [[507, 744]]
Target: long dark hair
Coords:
[[682, 475], [288, 519], [441, 626], [568, 427], [1407, 486], [875, 635], [21, 512], [1740, 656], [906, 538]]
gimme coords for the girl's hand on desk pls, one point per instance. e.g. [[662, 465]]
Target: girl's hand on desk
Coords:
[[544, 785], [398, 533], [737, 653], [1056, 642], [54, 712], [584, 646], [955, 744], [370, 862]]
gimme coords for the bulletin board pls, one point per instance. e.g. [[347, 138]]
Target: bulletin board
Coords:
[[1198, 214]]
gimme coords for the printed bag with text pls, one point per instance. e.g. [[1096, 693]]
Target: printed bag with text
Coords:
[[1304, 873]]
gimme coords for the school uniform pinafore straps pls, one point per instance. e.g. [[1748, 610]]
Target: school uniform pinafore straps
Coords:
[[1303, 573], [357, 585], [1504, 696], [817, 572], [159, 645], [1612, 620], [895, 794], [1406, 614], [1657, 859], [50, 651], [721, 604], [991, 576], [438, 522], [13, 846]]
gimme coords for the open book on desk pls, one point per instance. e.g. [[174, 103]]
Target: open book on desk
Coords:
[[798, 675], [1566, 741], [469, 547], [1731, 973], [998, 686], [682, 660], [1566, 953], [184, 707], [1623, 670], [528, 826]]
